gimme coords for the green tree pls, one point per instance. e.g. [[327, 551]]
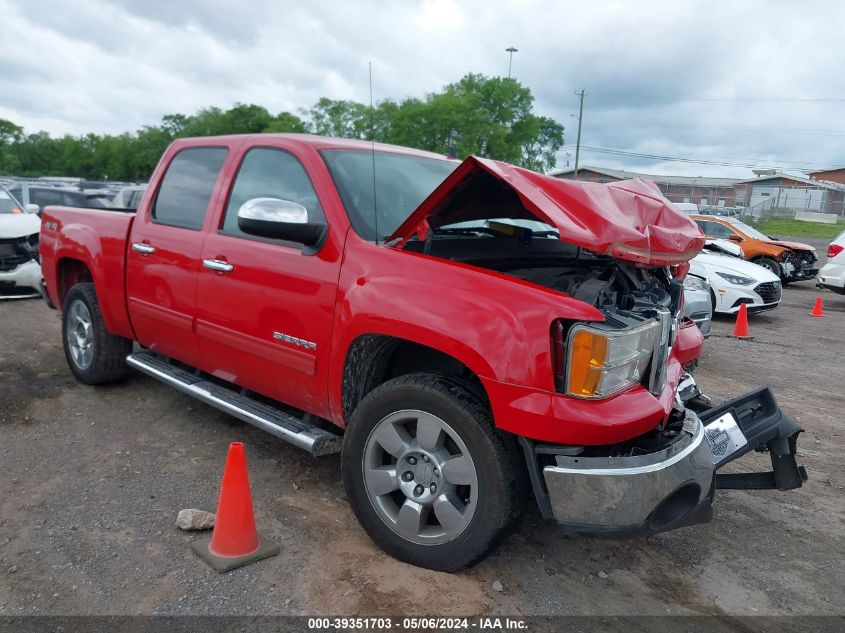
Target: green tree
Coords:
[[9, 132], [346, 119], [490, 117], [485, 116], [286, 122]]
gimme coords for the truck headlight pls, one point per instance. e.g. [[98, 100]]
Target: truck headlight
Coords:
[[691, 282], [601, 362], [737, 280]]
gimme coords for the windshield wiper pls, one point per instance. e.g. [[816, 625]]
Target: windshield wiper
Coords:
[[464, 230]]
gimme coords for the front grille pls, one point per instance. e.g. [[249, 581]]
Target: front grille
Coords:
[[13, 253], [769, 291], [805, 259], [657, 376]]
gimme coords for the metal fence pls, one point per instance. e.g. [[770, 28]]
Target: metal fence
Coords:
[[781, 203]]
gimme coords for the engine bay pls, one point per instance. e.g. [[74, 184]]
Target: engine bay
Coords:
[[618, 288]]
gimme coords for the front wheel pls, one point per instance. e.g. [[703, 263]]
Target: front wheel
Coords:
[[428, 476], [94, 355], [770, 264]]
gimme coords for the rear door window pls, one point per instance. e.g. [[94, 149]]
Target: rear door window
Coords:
[[187, 186]]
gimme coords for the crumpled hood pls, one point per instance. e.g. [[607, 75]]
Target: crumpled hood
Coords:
[[14, 225], [628, 220], [795, 246], [728, 264]]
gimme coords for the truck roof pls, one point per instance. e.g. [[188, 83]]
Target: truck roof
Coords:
[[313, 140]]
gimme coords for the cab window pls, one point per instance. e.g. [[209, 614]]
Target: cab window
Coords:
[[270, 173], [187, 186]]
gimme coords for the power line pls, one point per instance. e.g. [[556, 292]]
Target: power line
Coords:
[[738, 128], [718, 161], [743, 98]]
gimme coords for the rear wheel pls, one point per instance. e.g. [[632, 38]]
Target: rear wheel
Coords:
[[429, 478], [94, 355]]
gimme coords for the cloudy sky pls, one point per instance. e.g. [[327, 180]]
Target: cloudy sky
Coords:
[[731, 84]]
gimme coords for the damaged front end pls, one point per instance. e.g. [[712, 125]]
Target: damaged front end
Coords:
[[623, 249]]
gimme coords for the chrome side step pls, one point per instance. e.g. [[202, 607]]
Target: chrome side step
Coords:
[[283, 425]]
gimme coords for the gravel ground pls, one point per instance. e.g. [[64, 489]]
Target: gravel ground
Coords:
[[91, 480]]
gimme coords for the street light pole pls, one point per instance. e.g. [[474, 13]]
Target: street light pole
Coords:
[[511, 50], [578, 141]]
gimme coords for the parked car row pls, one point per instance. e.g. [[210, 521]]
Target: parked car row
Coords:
[[790, 261], [34, 196]]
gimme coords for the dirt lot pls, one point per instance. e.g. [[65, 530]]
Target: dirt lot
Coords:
[[91, 480]]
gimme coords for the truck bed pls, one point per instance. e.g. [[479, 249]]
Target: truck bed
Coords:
[[84, 244]]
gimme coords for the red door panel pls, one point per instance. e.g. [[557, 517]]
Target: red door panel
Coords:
[[165, 244], [266, 325], [265, 321], [162, 289]]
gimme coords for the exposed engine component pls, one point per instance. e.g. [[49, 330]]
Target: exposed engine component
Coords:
[[610, 285]]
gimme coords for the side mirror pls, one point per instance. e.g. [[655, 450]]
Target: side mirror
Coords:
[[733, 237], [279, 220], [32, 208]]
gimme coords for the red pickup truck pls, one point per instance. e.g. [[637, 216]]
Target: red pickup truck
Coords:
[[466, 335]]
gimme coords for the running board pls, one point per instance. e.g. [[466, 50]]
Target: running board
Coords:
[[283, 425]]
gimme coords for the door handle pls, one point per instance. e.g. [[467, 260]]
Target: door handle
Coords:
[[144, 249], [218, 265]]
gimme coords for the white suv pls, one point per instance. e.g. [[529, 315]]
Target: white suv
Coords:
[[832, 274]]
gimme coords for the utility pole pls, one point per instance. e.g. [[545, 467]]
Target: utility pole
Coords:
[[511, 50], [578, 141]]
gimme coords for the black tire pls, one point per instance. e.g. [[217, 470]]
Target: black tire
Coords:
[[500, 472], [108, 352], [772, 265]]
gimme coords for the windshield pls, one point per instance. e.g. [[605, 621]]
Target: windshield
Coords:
[[750, 231], [402, 182], [8, 204]]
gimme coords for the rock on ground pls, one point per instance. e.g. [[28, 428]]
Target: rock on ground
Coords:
[[193, 519]]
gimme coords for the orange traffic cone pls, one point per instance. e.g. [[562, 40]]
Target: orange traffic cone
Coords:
[[741, 327], [817, 309], [235, 542]]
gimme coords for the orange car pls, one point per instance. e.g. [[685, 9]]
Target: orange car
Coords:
[[791, 261]]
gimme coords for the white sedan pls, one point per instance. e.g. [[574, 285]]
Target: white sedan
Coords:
[[20, 272], [734, 281]]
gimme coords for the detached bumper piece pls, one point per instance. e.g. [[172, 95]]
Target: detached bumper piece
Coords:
[[766, 429], [644, 492]]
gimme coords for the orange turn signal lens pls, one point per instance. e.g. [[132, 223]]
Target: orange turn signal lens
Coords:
[[588, 354]]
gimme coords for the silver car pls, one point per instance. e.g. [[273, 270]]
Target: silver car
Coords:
[[698, 305]]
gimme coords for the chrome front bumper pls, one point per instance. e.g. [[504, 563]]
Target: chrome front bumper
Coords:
[[629, 494], [671, 487]]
